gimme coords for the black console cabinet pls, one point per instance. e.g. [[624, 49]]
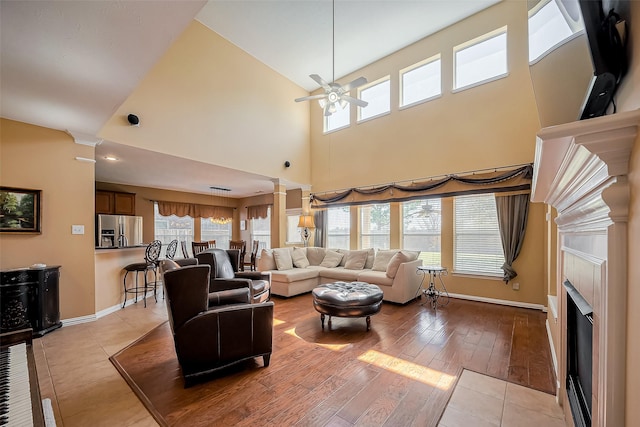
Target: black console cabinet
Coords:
[[30, 298]]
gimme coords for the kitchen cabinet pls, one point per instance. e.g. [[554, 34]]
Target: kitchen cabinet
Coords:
[[115, 203]]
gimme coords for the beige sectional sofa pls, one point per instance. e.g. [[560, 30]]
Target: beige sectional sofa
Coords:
[[295, 271]]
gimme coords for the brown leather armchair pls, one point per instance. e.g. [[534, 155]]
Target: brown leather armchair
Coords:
[[207, 340], [224, 272], [222, 294]]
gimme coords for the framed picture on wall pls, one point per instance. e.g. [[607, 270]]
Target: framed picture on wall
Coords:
[[243, 225], [20, 210]]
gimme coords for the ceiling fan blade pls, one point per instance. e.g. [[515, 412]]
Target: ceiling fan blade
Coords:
[[354, 84], [310, 97], [358, 102], [320, 81]]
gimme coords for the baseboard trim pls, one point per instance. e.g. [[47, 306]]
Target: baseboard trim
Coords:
[[500, 301], [78, 320], [93, 317], [554, 358]]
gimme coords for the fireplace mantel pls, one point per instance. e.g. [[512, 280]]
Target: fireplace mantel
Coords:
[[581, 169]]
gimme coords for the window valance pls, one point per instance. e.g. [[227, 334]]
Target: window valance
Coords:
[[518, 179], [194, 210], [258, 211]]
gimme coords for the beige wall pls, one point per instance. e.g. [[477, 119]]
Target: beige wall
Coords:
[[488, 126], [44, 159], [209, 101], [491, 125]]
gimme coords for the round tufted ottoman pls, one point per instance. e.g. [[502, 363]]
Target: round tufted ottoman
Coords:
[[342, 299]]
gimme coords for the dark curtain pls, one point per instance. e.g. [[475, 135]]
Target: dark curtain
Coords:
[[450, 185], [512, 211], [319, 217], [194, 210], [258, 211]]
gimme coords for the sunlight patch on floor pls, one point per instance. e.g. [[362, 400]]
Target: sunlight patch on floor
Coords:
[[334, 347], [411, 370], [277, 322]]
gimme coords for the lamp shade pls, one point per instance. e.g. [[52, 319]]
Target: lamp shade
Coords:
[[306, 221]]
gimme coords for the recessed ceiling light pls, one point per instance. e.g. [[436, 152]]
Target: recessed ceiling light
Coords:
[[112, 158]]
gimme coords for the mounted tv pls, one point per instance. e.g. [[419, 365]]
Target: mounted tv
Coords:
[[606, 29], [576, 61]]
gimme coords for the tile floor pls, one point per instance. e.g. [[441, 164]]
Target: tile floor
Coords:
[[74, 371], [480, 400]]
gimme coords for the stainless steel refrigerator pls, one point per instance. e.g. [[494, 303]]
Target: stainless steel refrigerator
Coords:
[[118, 231]]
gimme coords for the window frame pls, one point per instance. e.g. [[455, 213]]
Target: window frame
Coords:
[[252, 234], [386, 79], [409, 69], [188, 238], [294, 214], [457, 269], [576, 28], [361, 235], [425, 256], [472, 43], [332, 235], [222, 242], [325, 119]]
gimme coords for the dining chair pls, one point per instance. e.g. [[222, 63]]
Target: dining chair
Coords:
[[254, 256], [242, 247], [197, 247], [212, 244]]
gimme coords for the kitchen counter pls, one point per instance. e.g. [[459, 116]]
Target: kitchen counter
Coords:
[[109, 273], [110, 248]]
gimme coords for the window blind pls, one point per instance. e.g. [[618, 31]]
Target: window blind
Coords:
[[338, 227], [477, 244], [375, 225], [421, 226]]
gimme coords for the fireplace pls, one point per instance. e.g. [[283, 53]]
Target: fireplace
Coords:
[[579, 356], [581, 170]]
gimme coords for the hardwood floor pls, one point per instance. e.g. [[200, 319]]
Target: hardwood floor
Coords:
[[401, 372]]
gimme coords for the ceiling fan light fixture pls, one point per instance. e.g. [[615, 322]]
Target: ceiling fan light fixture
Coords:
[[335, 94]]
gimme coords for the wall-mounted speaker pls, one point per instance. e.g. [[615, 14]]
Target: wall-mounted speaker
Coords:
[[287, 164], [133, 120]]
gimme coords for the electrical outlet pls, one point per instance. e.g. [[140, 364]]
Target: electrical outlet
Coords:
[[77, 229], [516, 286]]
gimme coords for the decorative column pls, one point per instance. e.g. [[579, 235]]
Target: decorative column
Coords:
[[279, 215]]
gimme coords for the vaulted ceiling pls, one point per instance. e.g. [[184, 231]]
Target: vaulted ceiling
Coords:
[[68, 65]]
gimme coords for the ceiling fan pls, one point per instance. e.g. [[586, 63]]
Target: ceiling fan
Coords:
[[335, 94]]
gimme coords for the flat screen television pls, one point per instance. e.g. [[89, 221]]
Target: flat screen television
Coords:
[[605, 26], [578, 77]]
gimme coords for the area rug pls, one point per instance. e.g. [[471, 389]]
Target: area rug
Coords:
[[150, 367]]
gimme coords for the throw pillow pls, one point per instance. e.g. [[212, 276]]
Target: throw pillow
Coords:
[[299, 258], [331, 259], [266, 261], [315, 255], [413, 255], [382, 260], [394, 263], [283, 258], [345, 253], [356, 260], [370, 258]]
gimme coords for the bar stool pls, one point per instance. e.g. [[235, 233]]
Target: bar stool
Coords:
[[151, 255], [170, 252]]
